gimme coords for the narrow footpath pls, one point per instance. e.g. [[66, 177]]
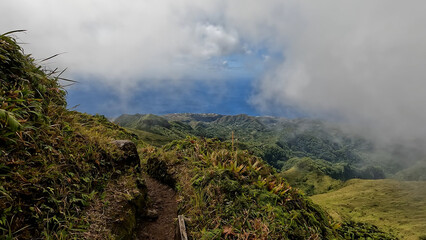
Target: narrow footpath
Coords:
[[160, 225]]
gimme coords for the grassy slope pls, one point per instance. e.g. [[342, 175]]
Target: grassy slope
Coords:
[[233, 195], [227, 194], [312, 176], [310, 182], [393, 205], [53, 162], [152, 138]]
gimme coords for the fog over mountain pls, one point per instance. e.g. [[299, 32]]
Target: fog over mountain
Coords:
[[359, 61]]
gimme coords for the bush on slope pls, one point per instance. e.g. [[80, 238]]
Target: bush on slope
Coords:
[[230, 194], [53, 162]]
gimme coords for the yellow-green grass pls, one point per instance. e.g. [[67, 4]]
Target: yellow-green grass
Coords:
[[151, 138], [310, 182], [395, 206]]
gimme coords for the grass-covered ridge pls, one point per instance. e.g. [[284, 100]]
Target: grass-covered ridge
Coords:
[[274, 139], [397, 206], [314, 156], [313, 176], [53, 162], [230, 194]]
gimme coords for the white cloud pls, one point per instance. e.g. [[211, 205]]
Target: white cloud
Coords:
[[215, 41], [361, 59], [122, 43]]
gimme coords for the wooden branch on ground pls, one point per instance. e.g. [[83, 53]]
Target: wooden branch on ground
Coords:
[[181, 229]]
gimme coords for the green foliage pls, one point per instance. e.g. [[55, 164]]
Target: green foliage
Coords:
[[282, 143], [53, 162], [27, 94], [357, 230], [226, 194], [153, 129], [8, 120], [313, 176], [313, 155], [395, 206], [275, 155], [158, 169], [323, 145], [273, 139]]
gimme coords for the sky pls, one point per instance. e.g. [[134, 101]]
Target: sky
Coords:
[[362, 61]]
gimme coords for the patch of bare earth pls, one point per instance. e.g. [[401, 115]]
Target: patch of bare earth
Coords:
[[162, 214]]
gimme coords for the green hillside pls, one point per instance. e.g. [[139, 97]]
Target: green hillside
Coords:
[[277, 140], [395, 206], [53, 162], [313, 176], [63, 175], [317, 157], [230, 194]]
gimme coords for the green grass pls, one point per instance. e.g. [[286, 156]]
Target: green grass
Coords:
[[275, 140], [396, 206], [226, 194], [152, 138], [312, 176], [310, 182], [53, 162], [229, 194]]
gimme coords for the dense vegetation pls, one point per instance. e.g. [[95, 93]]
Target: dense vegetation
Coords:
[[285, 144], [274, 139], [230, 194], [61, 176], [313, 176], [53, 162]]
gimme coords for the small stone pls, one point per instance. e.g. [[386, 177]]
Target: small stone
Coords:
[[152, 214]]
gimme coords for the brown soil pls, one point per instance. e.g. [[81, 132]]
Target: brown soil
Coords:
[[163, 199]]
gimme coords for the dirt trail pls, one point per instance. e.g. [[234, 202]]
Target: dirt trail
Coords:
[[164, 203]]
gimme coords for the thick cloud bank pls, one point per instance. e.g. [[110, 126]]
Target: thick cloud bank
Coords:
[[123, 43], [363, 61]]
